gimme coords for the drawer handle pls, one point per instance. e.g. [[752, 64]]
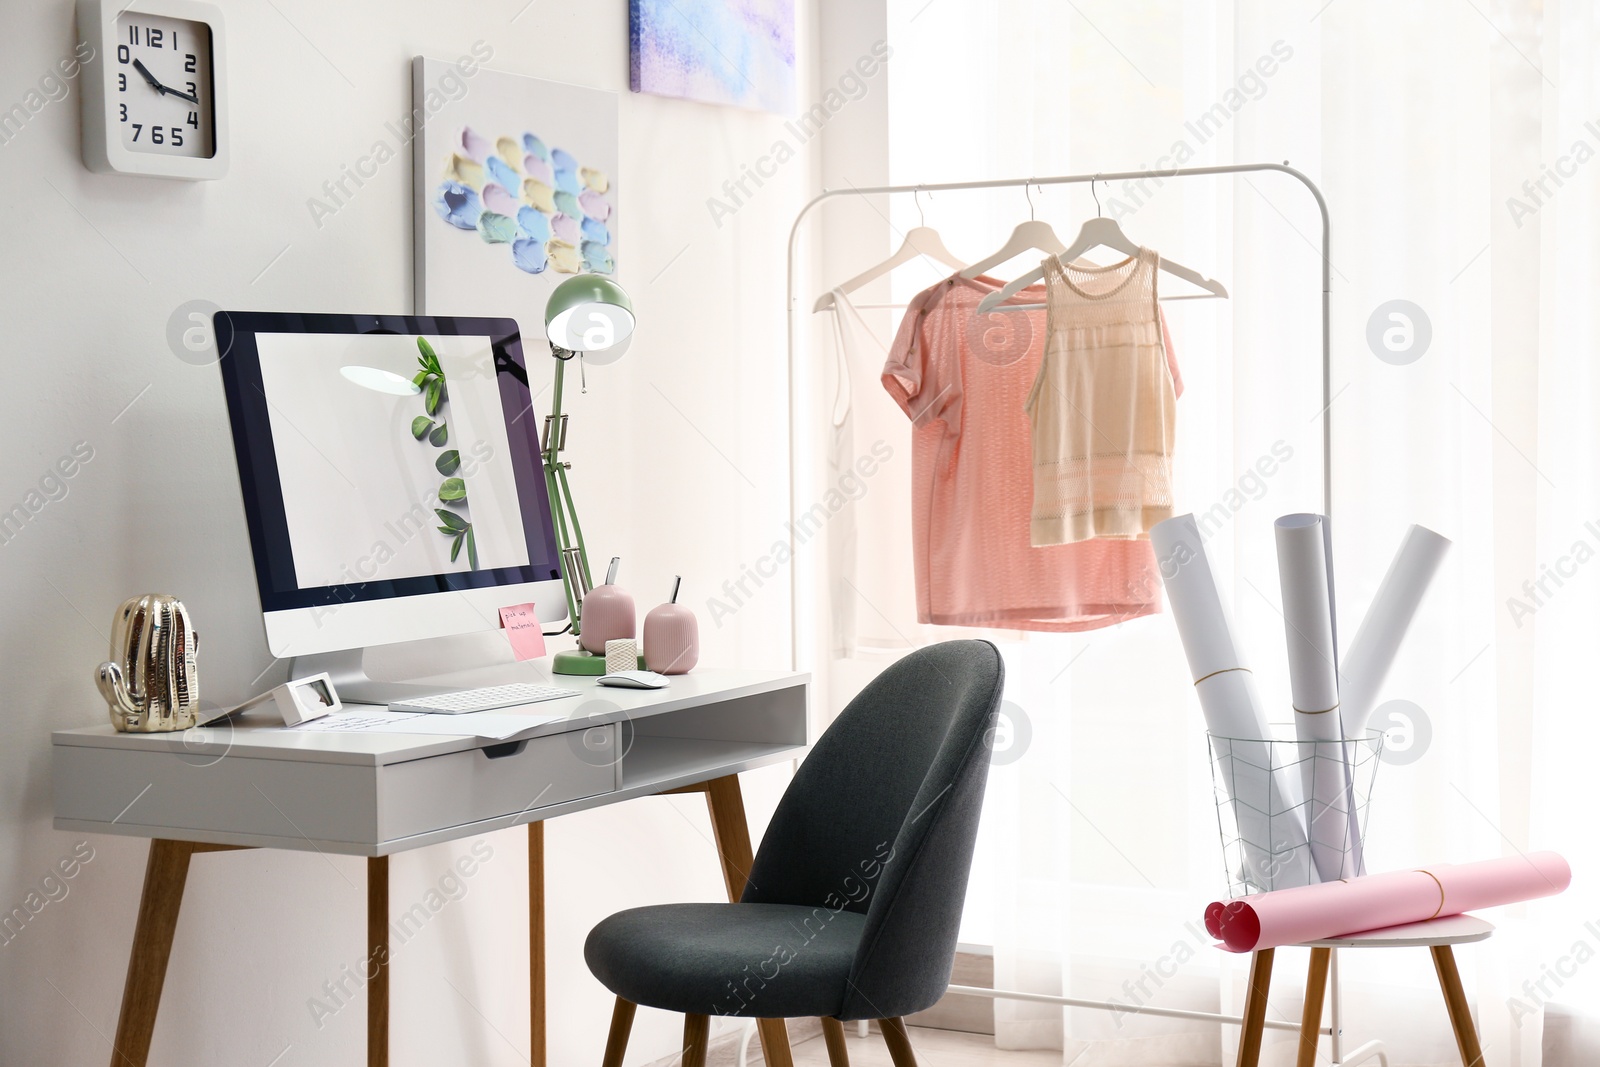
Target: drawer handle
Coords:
[[507, 748]]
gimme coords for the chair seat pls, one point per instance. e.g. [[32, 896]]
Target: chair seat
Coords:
[[756, 960]]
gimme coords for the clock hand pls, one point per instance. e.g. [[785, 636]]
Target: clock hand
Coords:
[[151, 78]]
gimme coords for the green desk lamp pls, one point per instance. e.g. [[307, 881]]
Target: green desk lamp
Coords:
[[586, 313]]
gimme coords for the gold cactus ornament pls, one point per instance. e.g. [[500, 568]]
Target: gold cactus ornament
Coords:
[[151, 681]]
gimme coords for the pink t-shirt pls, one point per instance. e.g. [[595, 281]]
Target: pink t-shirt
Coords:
[[963, 381]]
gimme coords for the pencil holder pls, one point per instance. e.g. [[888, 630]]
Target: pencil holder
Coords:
[[671, 636], [606, 614], [1268, 821]]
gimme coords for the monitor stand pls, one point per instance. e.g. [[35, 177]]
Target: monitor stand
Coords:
[[380, 674]]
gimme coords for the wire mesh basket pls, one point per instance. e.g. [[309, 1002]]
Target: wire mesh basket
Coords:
[[1292, 812]]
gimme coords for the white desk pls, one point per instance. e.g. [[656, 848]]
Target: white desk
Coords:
[[256, 785]]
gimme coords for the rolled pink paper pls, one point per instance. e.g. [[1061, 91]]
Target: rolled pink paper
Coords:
[[1335, 909]]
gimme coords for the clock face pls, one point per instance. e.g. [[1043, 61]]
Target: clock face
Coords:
[[164, 95]]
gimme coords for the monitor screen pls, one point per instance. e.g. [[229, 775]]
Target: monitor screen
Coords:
[[385, 456]]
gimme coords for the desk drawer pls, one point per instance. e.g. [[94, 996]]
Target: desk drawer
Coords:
[[439, 792]]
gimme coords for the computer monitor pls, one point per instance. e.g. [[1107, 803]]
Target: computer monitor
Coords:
[[392, 479]]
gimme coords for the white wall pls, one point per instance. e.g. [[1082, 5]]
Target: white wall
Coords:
[[690, 427]]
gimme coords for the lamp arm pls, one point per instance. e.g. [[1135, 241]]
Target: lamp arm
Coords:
[[577, 529], [563, 512]]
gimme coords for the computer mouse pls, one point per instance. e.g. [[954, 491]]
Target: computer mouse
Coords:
[[636, 680]]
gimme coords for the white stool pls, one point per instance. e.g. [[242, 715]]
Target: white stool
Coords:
[[1437, 935]]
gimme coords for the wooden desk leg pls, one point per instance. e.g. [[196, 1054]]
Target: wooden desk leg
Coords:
[[733, 848], [1455, 1000], [1255, 1009], [536, 1040], [377, 961], [165, 873], [1311, 1014]]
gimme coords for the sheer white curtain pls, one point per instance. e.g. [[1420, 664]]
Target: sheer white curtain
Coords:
[[1422, 122]]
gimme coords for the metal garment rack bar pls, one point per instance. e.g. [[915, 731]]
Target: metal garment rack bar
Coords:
[[794, 311]]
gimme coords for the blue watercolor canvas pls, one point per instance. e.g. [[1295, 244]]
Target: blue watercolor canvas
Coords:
[[738, 52]]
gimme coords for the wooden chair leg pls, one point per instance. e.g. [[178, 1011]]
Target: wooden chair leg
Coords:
[[165, 873], [378, 961], [696, 1030], [536, 968], [621, 1027], [726, 804], [833, 1037], [1255, 1009], [899, 1042], [775, 1042], [1311, 1014], [1455, 1000]]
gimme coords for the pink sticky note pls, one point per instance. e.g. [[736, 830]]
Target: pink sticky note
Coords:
[[521, 624]]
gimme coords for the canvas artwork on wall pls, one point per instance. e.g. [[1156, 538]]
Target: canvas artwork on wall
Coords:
[[738, 52], [515, 191]]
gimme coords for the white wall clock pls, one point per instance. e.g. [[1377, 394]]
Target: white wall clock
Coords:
[[154, 97]]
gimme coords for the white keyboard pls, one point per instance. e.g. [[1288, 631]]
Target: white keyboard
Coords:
[[486, 699]]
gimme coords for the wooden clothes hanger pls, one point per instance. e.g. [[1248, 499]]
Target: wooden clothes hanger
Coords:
[[921, 240], [1033, 235], [1096, 233]]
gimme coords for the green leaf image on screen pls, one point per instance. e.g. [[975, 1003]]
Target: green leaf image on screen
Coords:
[[432, 428]]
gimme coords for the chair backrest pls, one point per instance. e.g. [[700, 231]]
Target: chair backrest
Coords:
[[882, 817]]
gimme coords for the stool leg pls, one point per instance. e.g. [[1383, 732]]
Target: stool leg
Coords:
[[833, 1037], [621, 1027], [1455, 1000], [696, 1028], [1255, 1009], [1311, 1014]]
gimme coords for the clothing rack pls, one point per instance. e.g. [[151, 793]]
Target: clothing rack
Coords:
[[1368, 1051]]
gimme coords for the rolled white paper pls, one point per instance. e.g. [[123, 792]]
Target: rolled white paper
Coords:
[[1307, 614], [1372, 652], [1264, 804], [1314, 687]]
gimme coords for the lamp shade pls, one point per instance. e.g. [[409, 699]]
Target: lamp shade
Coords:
[[588, 313]]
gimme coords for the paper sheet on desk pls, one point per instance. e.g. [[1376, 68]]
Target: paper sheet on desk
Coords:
[[489, 725]]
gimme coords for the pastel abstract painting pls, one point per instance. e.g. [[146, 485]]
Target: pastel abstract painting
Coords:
[[738, 52], [515, 190]]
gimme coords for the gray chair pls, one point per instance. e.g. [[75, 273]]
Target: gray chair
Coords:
[[853, 903]]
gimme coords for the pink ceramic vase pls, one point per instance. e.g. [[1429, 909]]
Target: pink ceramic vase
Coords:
[[607, 615], [671, 637]]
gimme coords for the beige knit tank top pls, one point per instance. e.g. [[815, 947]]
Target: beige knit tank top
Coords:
[[1102, 406]]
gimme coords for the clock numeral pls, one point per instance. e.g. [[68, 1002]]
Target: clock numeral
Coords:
[[188, 63], [137, 126], [192, 90], [122, 82], [124, 108], [155, 135], [174, 40], [175, 135], [122, 53], [133, 35], [194, 119], [153, 38]]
